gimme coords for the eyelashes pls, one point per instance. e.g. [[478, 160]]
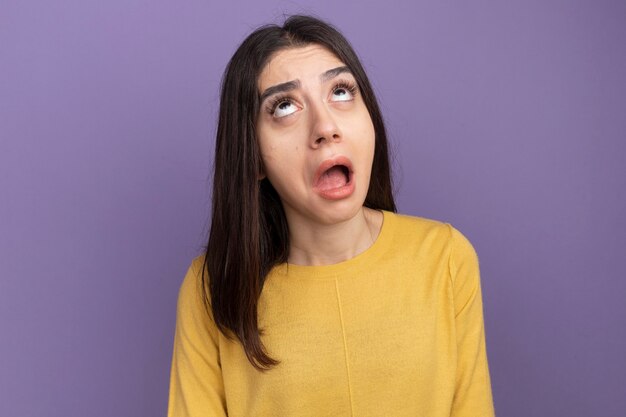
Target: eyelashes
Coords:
[[350, 90], [344, 85], [276, 101]]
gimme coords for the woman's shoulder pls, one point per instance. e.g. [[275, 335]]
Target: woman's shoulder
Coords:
[[197, 263], [408, 224], [191, 287], [412, 219], [423, 228]]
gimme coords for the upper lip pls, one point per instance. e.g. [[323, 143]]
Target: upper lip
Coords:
[[331, 162]]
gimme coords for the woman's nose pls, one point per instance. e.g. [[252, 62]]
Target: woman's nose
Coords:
[[324, 126]]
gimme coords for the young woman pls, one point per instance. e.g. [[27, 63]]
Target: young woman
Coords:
[[314, 298]]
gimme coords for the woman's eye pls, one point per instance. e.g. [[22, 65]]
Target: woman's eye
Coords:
[[284, 108], [342, 94]]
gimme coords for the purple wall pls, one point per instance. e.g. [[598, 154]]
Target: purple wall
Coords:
[[507, 121]]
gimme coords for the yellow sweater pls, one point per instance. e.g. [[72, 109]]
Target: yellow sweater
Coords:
[[395, 331]]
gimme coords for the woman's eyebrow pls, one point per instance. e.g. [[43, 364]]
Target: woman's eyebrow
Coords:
[[332, 73], [280, 88], [295, 84]]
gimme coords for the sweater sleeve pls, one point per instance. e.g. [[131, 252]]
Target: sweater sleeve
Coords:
[[196, 385], [473, 397]]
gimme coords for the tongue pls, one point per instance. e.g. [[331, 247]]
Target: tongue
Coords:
[[333, 178]]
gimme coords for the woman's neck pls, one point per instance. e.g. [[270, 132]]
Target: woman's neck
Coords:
[[321, 244]]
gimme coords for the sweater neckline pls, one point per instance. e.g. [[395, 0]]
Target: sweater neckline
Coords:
[[358, 262]]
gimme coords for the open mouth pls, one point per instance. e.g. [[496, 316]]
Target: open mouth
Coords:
[[333, 174], [334, 177]]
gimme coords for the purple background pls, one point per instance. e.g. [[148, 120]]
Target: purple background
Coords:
[[506, 120]]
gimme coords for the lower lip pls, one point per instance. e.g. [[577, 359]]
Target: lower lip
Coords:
[[338, 193]]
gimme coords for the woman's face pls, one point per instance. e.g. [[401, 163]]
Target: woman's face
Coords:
[[312, 118]]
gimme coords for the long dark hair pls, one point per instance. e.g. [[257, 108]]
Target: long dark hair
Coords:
[[249, 234]]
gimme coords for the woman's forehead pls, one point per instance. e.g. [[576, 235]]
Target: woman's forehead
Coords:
[[289, 64]]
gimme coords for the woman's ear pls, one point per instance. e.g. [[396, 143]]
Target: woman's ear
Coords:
[[261, 175]]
